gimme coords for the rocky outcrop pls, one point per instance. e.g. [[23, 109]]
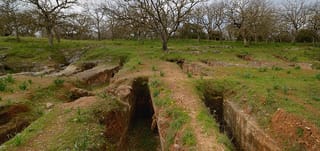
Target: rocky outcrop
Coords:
[[68, 71], [245, 131], [117, 122], [97, 75], [196, 68]]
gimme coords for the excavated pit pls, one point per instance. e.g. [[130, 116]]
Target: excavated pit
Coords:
[[11, 121], [132, 126], [143, 131]]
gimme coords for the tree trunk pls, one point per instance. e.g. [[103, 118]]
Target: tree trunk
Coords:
[[294, 36], [50, 36], [17, 34], [164, 38], [57, 34], [99, 31], [16, 28], [165, 45], [245, 42], [220, 34]]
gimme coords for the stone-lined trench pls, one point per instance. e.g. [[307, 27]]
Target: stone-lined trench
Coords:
[[214, 102], [244, 133], [143, 131]]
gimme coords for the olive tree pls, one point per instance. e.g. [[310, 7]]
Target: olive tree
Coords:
[[161, 16], [50, 11]]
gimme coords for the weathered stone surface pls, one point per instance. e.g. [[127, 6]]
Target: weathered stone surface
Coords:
[[49, 105], [88, 65], [247, 133], [70, 70], [97, 75], [196, 68], [117, 122], [2, 57]]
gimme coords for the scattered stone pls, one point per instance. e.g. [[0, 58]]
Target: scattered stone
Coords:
[[70, 70], [3, 56], [216, 51], [88, 65], [49, 105], [176, 147], [123, 91], [71, 58], [78, 93]]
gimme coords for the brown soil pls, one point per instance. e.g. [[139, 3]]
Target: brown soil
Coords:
[[114, 127], [294, 131], [245, 57], [285, 59]]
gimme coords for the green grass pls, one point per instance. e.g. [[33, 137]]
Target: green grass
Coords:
[[178, 117], [188, 138], [211, 126]]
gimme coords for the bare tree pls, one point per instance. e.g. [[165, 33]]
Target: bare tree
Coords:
[[295, 13], [50, 11], [251, 19], [261, 18], [162, 16], [215, 17], [237, 16], [9, 9], [314, 21], [98, 14], [197, 18]]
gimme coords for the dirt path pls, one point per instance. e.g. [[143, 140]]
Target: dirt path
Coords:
[[183, 93]]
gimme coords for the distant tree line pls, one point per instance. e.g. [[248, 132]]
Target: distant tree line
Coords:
[[246, 20]]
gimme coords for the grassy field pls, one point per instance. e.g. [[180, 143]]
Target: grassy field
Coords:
[[260, 78], [281, 83]]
